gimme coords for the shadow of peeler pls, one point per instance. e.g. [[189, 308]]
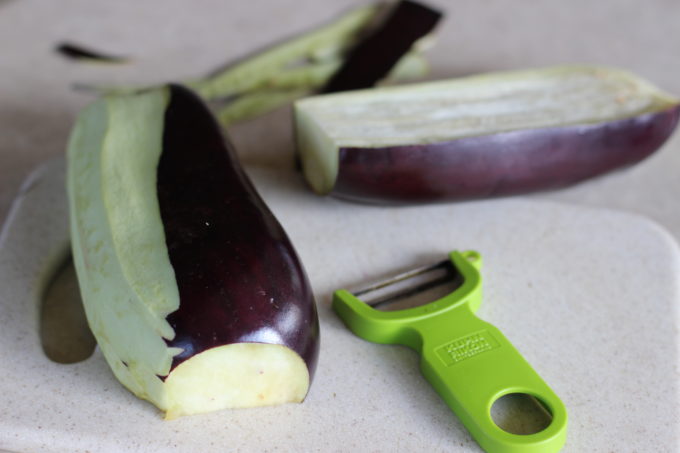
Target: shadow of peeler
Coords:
[[468, 361]]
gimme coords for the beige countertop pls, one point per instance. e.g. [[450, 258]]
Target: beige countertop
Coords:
[[175, 40]]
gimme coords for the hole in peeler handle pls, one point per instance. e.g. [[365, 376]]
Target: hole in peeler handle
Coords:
[[520, 413], [64, 332]]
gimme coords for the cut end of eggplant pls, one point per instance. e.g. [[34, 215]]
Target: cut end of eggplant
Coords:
[[236, 376], [463, 138], [190, 285]]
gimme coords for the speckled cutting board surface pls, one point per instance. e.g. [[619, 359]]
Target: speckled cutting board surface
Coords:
[[588, 296]]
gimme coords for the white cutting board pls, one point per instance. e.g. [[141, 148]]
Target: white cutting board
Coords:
[[590, 297]]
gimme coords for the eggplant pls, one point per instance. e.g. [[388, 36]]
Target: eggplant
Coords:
[[191, 287], [482, 136], [374, 57], [357, 50]]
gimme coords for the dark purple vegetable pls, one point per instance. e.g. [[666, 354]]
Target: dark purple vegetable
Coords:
[[190, 285], [483, 136], [372, 59], [500, 164], [238, 275]]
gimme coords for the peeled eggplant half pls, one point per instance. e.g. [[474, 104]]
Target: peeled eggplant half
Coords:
[[191, 287], [488, 135]]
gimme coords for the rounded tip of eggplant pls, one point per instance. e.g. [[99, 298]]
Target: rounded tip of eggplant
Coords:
[[187, 256]]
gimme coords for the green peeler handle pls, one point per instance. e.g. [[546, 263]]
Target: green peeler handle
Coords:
[[473, 366], [468, 361]]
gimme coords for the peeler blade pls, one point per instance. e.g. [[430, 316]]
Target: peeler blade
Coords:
[[412, 283]]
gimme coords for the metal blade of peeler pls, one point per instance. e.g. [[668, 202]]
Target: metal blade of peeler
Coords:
[[421, 279]]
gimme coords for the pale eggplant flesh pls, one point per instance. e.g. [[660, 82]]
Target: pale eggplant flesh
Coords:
[[483, 136], [190, 285]]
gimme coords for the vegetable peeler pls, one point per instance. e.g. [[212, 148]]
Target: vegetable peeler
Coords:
[[468, 361]]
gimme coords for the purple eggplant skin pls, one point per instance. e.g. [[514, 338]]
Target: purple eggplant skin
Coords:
[[499, 164], [372, 59], [238, 275]]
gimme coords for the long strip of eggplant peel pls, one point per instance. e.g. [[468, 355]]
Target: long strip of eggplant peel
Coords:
[[292, 85], [304, 65], [251, 72]]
